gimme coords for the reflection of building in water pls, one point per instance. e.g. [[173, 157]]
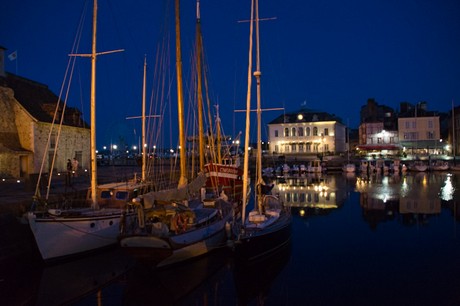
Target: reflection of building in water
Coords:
[[417, 193], [311, 191], [413, 196], [420, 206]]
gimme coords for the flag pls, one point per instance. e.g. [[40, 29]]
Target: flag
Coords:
[[13, 56]]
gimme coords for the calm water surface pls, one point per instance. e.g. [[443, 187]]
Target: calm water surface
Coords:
[[379, 240]]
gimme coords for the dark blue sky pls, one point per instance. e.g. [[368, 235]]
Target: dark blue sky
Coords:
[[332, 55]]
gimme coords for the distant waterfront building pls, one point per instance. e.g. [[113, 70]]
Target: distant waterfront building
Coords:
[[378, 131], [307, 132], [373, 112], [419, 131], [374, 139], [420, 135], [454, 130]]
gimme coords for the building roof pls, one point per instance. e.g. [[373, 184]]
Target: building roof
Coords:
[[39, 100], [308, 115]]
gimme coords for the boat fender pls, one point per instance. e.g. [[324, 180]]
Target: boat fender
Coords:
[[179, 223], [54, 212], [173, 224], [140, 217], [122, 223], [223, 196], [228, 230]]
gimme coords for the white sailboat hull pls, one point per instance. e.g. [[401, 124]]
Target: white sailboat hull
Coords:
[[63, 236]]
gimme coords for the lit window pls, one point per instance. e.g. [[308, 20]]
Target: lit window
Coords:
[[300, 131]]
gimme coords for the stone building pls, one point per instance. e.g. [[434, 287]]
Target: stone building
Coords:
[[27, 109]]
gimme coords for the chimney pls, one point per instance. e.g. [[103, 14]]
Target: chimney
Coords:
[[2, 61]]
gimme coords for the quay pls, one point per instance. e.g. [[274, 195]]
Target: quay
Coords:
[[16, 195]]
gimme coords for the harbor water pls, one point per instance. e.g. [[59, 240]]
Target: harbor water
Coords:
[[356, 240]]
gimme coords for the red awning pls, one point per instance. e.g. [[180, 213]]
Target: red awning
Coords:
[[378, 147]]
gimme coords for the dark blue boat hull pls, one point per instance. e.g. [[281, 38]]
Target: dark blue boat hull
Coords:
[[255, 244]]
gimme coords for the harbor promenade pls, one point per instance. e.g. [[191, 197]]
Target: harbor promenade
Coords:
[[16, 195]]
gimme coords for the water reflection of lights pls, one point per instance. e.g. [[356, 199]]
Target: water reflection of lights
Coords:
[[404, 187], [308, 193], [302, 212], [447, 191]]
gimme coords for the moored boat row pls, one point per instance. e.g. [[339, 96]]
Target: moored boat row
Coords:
[[169, 226]]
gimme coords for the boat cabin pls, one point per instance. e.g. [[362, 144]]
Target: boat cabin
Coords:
[[116, 195]]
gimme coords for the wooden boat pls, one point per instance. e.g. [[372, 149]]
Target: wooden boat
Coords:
[[169, 233], [67, 231], [166, 231], [268, 227]]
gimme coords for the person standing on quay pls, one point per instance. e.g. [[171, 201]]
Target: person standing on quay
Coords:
[[75, 167], [69, 173]]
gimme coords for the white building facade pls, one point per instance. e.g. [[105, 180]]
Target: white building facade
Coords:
[[307, 132]]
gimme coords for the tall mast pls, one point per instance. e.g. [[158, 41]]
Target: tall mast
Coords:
[[180, 102], [93, 56], [248, 111], [199, 86], [144, 147], [257, 75], [219, 141], [93, 111]]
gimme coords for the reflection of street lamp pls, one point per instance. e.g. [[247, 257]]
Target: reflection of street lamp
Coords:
[[322, 145]]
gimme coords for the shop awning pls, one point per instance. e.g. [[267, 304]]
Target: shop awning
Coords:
[[378, 147]]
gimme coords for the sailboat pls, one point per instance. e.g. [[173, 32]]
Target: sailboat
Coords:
[[62, 232], [178, 224], [268, 227]]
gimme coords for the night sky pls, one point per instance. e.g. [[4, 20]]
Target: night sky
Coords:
[[325, 55]]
